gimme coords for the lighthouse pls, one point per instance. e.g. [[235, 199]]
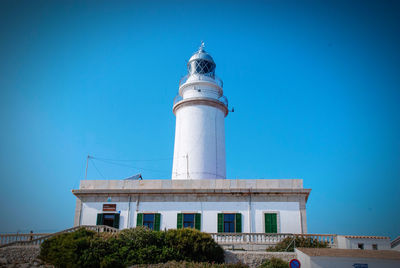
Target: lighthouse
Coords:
[[200, 109], [199, 196]]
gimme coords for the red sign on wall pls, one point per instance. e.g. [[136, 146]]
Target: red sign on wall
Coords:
[[109, 207]]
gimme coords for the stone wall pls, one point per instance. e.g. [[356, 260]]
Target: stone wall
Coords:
[[21, 257], [254, 258]]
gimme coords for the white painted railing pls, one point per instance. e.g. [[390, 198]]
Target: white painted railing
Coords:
[[267, 239], [39, 240], [220, 238], [9, 238]]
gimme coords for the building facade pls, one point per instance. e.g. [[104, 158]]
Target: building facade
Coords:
[[249, 206]]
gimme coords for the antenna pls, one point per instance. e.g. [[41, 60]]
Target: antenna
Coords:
[[201, 48], [87, 163]]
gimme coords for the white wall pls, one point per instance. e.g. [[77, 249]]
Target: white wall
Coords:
[[352, 243], [288, 214], [335, 262], [91, 209], [199, 143]]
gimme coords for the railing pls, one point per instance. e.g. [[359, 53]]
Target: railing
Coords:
[[220, 238], [9, 238], [214, 79], [222, 99], [267, 239], [39, 240]]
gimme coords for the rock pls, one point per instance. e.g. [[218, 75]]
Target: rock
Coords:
[[3, 261]]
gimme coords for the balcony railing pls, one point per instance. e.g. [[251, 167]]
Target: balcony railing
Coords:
[[222, 99], [268, 239], [214, 79], [221, 238]]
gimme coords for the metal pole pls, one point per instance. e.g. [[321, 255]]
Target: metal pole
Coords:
[[87, 163], [187, 166]]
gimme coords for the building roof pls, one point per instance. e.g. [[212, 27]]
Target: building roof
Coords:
[[351, 253], [366, 237], [275, 186]]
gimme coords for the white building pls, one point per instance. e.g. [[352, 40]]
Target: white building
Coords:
[[363, 242], [333, 258], [199, 195]]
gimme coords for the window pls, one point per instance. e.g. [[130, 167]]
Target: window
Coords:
[[229, 223], [271, 223], [375, 246], [360, 245], [109, 219], [150, 220], [188, 220]]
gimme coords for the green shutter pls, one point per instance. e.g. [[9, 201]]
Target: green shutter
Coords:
[[139, 219], [238, 219], [116, 221], [274, 224], [220, 222], [157, 218], [271, 223], [197, 221], [99, 219], [179, 221]]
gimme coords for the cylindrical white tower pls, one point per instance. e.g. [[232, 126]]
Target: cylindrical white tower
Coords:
[[200, 110]]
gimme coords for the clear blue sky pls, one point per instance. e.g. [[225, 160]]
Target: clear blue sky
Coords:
[[315, 86]]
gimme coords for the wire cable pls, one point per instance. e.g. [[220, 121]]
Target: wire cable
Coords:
[[98, 170], [129, 166]]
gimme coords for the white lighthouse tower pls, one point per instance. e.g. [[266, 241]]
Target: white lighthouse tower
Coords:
[[200, 110]]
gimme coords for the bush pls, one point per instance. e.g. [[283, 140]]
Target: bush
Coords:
[[288, 244], [274, 263], [184, 264], [65, 250], [194, 245], [131, 246]]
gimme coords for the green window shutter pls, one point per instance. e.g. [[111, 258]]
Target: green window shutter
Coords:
[[274, 224], [157, 219], [99, 219], [268, 223], [271, 223], [238, 219], [179, 221], [139, 219], [197, 221], [220, 222], [116, 221]]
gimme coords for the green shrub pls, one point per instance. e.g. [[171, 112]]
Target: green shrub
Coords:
[[289, 243], [193, 245], [274, 263], [65, 250], [184, 264], [131, 246]]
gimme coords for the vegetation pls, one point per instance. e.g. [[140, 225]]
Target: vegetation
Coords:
[[131, 246], [274, 263], [184, 264], [289, 243]]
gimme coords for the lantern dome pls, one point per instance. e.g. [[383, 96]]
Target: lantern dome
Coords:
[[201, 63]]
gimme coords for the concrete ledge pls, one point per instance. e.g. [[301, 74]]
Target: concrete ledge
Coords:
[[249, 185]]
